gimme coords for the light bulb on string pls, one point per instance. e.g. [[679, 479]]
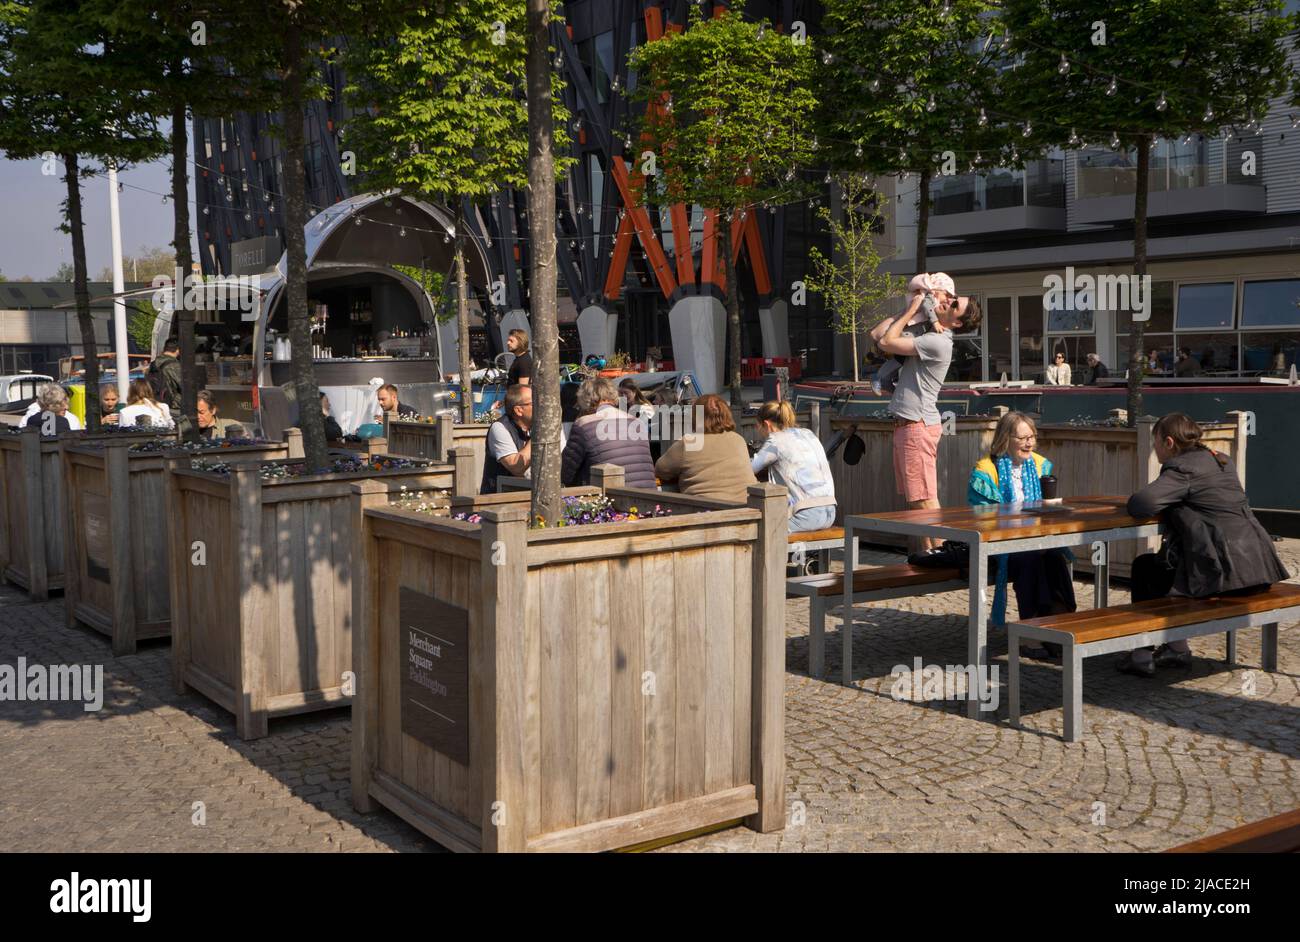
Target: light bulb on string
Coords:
[[1209, 113], [875, 85], [1162, 103], [402, 232], [826, 58], [1114, 140], [1029, 129], [931, 104], [984, 118], [1063, 66], [1074, 138], [357, 222], [857, 151], [1113, 87]]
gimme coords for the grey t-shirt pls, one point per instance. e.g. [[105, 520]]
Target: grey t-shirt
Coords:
[[917, 393]]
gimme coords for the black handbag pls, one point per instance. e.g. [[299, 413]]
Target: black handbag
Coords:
[[948, 555]]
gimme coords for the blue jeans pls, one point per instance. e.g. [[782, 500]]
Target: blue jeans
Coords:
[[812, 518]]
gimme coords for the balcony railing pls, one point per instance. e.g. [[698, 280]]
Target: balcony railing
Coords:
[[1042, 183]]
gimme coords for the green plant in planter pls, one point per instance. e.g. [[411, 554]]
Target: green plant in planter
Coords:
[[581, 511]]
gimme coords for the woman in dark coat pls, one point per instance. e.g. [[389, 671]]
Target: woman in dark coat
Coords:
[[1213, 543]]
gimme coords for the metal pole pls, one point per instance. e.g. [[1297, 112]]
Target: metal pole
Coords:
[[119, 305]]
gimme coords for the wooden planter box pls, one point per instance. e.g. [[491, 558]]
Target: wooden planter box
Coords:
[[592, 687], [264, 627], [1088, 461], [32, 513], [435, 440], [116, 570]]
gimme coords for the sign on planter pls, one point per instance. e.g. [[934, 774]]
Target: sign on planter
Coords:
[[435, 673]]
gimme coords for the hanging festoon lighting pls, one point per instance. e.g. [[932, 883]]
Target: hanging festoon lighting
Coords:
[[931, 104], [1113, 87], [1162, 103], [1209, 113], [1114, 140], [1063, 67], [984, 118], [1029, 129], [1074, 138]]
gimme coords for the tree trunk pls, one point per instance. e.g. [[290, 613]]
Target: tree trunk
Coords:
[[186, 422], [854, 336], [295, 222], [1137, 336], [541, 231], [733, 316], [90, 354], [922, 219], [462, 323]]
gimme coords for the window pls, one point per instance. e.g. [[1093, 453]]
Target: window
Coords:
[[1205, 307], [1162, 311], [1061, 320], [1216, 353], [1030, 328], [1268, 354], [1270, 304], [997, 315]]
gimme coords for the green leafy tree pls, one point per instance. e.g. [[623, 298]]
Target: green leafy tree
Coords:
[[852, 282], [197, 61], [143, 265], [440, 113], [63, 99], [911, 86], [64, 273], [139, 324], [737, 122], [1136, 71]]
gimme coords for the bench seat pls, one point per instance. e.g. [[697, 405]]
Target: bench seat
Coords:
[[1141, 624], [1276, 835], [820, 542], [871, 584]]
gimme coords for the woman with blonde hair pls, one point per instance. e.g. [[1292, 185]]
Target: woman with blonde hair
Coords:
[[795, 458], [141, 404], [1010, 474], [713, 462]]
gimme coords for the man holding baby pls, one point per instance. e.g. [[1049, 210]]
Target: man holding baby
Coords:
[[925, 347]]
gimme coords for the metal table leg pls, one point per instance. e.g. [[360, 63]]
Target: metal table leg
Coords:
[[978, 641], [1101, 579], [846, 610], [1268, 644]]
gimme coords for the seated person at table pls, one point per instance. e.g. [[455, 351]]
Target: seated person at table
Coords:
[[141, 408], [509, 441], [795, 459], [1213, 543], [333, 431], [109, 404], [1010, 474], [712, 463], [210, 424], [605, 434], [388, 402], [51, 398]]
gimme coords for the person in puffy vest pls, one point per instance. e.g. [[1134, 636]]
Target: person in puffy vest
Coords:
[[605, 434]]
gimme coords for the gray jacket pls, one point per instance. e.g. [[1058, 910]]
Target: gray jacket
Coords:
[[608, 436], [1214, 542]]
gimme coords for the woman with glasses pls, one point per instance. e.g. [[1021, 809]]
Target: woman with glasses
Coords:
[[1058, 374], [1010, 475]]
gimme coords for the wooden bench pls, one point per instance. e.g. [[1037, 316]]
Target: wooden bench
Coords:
[[1279, 834], [819, 541], [1140, 624], [874, 584]]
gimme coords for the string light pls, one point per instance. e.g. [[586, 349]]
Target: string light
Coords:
[[931, 104], [1064, 66], [1114, 140], [1113, 87], [984, 118], [1162, 104]]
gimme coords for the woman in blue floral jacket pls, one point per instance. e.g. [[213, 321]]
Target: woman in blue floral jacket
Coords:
[[1010, 474]]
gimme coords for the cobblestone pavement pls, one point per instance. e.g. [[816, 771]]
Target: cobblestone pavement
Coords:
[[1162, 761]]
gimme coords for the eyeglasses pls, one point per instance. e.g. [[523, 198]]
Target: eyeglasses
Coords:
[[1025, 438]]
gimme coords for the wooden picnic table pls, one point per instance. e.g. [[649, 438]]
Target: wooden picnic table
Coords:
[[998, 530]]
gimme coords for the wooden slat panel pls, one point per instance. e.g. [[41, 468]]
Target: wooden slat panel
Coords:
[[320, 580], [533, 702], [591, 632], [742, 698], [660, 658], [627, 702], [691, 668], [559, 681], [720, 667], [288, 602], [414, 571], [388, 626]]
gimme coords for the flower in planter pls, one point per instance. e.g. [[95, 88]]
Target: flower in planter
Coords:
[[341, 465], [581, 511]]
